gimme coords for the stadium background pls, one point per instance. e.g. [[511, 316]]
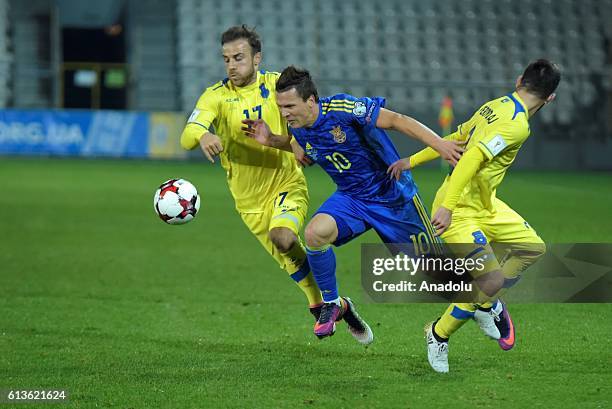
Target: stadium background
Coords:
[[99, 297], [157, 56]]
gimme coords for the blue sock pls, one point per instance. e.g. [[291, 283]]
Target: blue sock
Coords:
[[323, 266]]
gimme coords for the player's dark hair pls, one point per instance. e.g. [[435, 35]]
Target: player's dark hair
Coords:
[[245, 32], [298, 78], [541, 78]]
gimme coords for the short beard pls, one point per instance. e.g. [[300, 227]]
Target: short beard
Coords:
[[247, 80]]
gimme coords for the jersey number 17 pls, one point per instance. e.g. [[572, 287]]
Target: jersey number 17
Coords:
[[254, 109]]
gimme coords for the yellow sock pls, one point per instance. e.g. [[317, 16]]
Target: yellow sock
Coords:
[[302, 275], [481, 299], [476, 296], [453, 318], [311, 289]]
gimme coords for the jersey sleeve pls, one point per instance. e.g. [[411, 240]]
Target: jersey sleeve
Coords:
[[462, 174], [354, 111], [206, 110], [199, 122], [428, 154], [366, 110], [495, 138]]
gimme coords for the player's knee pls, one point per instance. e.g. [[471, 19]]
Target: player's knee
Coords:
[[316, 235], [529, 255], [536, 251], [539, 250], [282, 238]]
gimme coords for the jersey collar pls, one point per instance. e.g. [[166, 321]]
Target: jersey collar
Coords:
[[519, 105]]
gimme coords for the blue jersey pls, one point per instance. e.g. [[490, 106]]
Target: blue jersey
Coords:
[[346, 143]]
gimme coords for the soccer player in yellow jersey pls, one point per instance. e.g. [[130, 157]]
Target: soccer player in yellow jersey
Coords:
[[267, 184], [466, 209]]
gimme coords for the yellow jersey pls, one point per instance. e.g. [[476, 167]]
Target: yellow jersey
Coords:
[[498, 128], [254, 172]]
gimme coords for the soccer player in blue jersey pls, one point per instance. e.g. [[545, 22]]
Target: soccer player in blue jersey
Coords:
[[345, 136]]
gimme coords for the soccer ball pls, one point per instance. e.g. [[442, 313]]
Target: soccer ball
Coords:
[[176, 201]]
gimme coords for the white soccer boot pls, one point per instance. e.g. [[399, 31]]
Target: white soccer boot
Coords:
[[486, 322], [437, 352]]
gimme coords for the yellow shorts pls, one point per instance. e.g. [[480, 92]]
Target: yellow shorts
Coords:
[[287, 208], [505, 226]]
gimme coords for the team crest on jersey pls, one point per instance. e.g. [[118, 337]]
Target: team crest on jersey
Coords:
[[310, 151], [339, 134], [360, 109]]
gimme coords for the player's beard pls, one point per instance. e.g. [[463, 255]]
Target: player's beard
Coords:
[[243, 81]]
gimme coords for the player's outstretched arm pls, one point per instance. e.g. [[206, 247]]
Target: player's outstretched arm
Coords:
[[260, 131], [449, 150], [423, 156], [462, 174], [429, 154]]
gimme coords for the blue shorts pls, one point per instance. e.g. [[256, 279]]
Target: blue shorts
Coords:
[[407, 223]]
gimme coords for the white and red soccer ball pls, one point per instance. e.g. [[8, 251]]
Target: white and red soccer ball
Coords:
[[176, 201]]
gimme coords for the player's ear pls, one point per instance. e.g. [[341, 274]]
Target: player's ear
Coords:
[[518, 81], [551, 98], [257, 58]]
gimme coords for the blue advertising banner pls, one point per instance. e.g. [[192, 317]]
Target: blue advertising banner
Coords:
[[75, 133]]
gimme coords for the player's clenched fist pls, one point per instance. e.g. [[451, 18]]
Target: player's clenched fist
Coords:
[[211, 146]]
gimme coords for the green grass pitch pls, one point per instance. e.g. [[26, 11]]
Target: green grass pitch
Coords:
[[99, 297]]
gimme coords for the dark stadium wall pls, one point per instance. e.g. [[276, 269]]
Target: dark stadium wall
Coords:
[[152, 55]]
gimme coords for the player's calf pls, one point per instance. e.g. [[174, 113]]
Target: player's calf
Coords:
[[490, 284]]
